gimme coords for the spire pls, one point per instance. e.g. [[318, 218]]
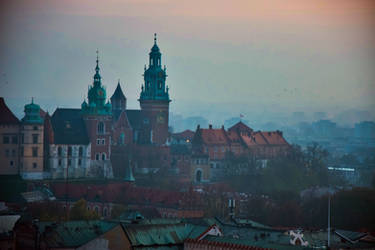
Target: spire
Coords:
[[97, 76], [155, 38]]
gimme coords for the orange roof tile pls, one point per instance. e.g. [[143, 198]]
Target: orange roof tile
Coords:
[[214, 136], [274, 138]]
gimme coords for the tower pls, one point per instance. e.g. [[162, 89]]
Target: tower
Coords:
[[31, 150], [118, 101], [97, 115], [154, 99]]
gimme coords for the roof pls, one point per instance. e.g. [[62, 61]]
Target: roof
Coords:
[[214, 136], [219, 244], [6, 115], [73, 233], [7, 223], [259, 138], [118, 94], [274, 137], [69, 127], [185, 135], [350, 235], [135, 118], [155, 235], [240, 127]]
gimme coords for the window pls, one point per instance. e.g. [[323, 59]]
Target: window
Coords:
[[97, 157], [59, 151], [35, 152], [21, 151], [103, 141], [11, 163], [14, 139], [159, 85], [79, 162], [121, 140], [101, 128], [7, 152], [103, 157], [88, 208], [97, 141], [13, 152], [69, 151], [69, 162], [105, 212], [59, 162], [80, 151], [22, 138], [96, 210], [35, 165], [35, 128], [6, 139], [35, 138], [146, 121]]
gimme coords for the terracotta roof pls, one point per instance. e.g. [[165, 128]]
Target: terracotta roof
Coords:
[[233, 136], [214, 136], [240, 127], [259, 138], [274, 138], [248, 140], [7, 116]]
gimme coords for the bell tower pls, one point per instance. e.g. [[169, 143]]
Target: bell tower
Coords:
[[154, 99]]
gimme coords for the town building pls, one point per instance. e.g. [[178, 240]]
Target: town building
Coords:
[[9, 141]]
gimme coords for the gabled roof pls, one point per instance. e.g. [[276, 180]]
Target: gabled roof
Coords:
[[69, 127], [73, 233], [214, 136], [135, 118], [240, 127], [274, 138], [7, 116], [249, 140], [118, 94], [157, 235], [259, 138]]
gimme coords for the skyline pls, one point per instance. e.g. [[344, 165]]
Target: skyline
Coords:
[[276, 58]]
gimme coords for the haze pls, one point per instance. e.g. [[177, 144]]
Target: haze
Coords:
[[223, 58]]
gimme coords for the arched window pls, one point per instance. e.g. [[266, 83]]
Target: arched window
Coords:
[[198, 176], [103, 156], [80, 151], [69, 151], [59, 151], [101, 128]]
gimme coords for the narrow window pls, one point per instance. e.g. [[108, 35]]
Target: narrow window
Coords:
[[14, 139], [11, 163], [59, 162], [35, 152], [35, 138], [79, 162], [103, 156], [80, 151], [69, 151], [35, 128], [101, 128], [59, 151], [97, 157], [35, 165], [69, 162]]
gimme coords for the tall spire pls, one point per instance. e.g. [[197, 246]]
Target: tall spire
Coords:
[[154, 38], [97, 76]]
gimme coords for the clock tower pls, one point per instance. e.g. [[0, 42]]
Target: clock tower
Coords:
[[154, 99]]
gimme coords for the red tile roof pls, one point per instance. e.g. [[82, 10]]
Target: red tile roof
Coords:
[[214, 136], [259, 138], [241, 128], [6, 116], [274, 138]]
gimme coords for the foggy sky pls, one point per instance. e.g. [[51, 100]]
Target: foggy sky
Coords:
[[223, 58]]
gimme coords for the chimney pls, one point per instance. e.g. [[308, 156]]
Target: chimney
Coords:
[[210, 126]]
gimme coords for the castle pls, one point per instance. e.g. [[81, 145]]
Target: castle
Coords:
[[104, 139], [77, 142]]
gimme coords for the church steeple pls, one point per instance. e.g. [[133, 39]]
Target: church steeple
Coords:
[[154, 87], [97, 94]]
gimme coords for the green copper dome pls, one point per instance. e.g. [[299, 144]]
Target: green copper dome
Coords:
[[32, 113], [97, 96]]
